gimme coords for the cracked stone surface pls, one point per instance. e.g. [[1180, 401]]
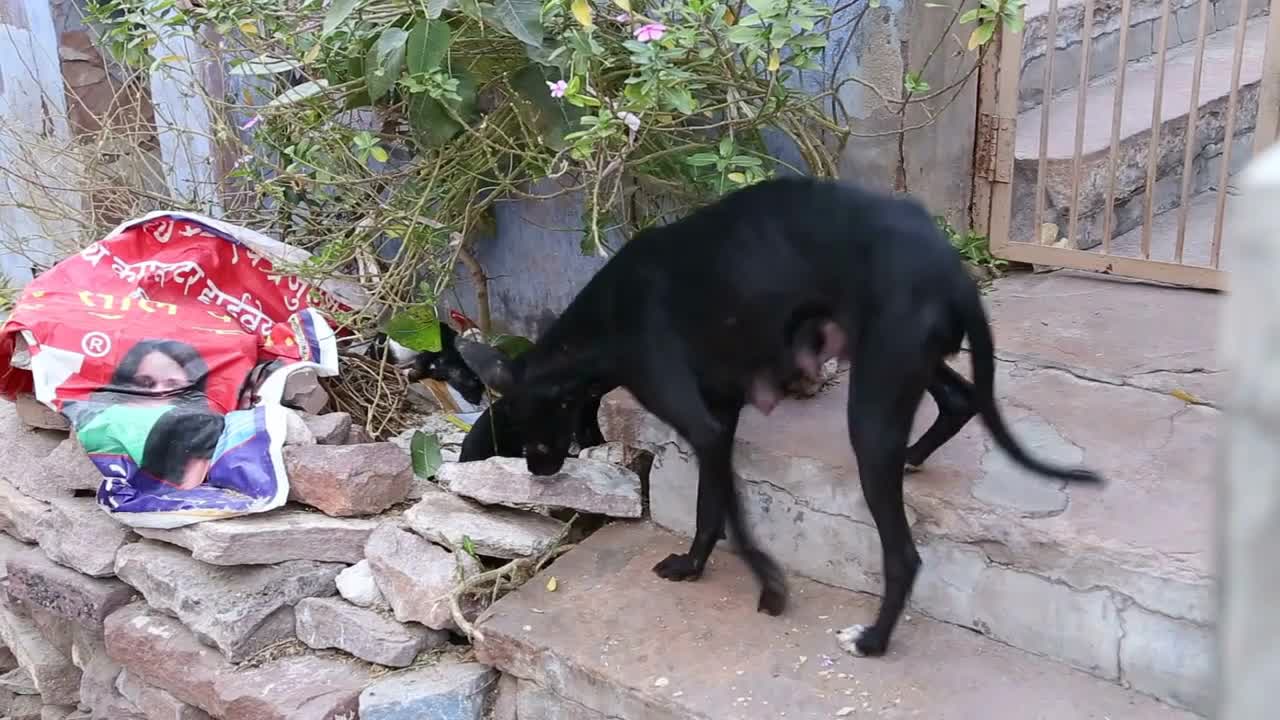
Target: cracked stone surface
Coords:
[[1005, 483], [623, 643], [1143, 540]]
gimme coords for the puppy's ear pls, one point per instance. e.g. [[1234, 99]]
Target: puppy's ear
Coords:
[[488, 363]]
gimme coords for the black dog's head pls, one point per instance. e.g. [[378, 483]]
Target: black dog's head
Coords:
[[542, 401]]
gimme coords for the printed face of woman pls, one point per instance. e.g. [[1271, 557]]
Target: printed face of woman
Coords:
[[159, 374]]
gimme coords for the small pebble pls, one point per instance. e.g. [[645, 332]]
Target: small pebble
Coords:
[[661, 682]]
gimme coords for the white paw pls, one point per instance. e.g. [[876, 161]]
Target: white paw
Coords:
[[911, 468], [848, 639]]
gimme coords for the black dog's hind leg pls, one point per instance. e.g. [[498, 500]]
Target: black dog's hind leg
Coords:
[[953, 395], [888, 385]]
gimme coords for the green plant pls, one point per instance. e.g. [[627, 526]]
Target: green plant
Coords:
[[974, 247], [368, 122]]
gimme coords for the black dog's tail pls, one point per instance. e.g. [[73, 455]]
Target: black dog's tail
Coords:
[[982, 351]]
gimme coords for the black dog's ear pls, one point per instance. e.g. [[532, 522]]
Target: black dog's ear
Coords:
[[488, 363], [543, 323]]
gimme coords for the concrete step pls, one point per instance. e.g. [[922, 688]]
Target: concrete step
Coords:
[[614, 641], [1115, 581], [1197, 243], [1143, 37], [1135, 136]]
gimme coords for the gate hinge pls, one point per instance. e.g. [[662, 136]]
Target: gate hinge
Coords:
[[993, 148]]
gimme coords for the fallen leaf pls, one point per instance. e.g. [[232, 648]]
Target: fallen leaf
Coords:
[[552, 584], [1184, 396], [582, 13]]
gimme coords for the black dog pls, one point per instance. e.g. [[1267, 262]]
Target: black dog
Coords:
[[446, 365], [699, 317]]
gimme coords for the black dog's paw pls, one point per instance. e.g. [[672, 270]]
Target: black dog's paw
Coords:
[[862, 641], [773, 594], [911, 467], [677, 568]]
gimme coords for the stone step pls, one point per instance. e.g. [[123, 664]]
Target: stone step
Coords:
[[1115, 581], [1135, 137], [615, 641], [1202, 212], [1143, 40]]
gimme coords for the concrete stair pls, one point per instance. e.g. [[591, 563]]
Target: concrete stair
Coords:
[[1135, 133], [614, 642], [1115, 582]]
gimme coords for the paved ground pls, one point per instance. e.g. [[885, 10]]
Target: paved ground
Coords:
[[623, 643]]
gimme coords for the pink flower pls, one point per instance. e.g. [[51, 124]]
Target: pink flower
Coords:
[[557, 88], [251, 122], [622, 17], [650, 32]]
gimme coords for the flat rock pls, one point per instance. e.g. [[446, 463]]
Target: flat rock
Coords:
[[272, 537], [239, 610], [335, 623], [329, 429], [41, 583], [7, 660], [589, 486], [344, 480], [302, 391], [44, 464], [56, 712], [54, 676], [19, 513], [77, 533], [36, 414], [357, 586], [445, 518], [154, 703], [620, 641], [415, 576], [18, 681], [161, 652], [25, 707], [449, 435], [447, 691]]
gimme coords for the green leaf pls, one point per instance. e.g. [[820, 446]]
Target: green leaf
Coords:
[[702, 159], [427, 45], [424, 449], [417, 328], [968, 17], [982, 35], [513, 346], [430, 121], [435, 7], [681, 99], [469, 546], [914, 83], [379, 153], [299, 93], [743, 35], [550, 117], [521, 18], [384, 62], [339, 11]]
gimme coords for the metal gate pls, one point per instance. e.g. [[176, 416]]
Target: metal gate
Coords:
[[1109, 131]]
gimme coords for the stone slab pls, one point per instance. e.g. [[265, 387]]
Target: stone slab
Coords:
[[77, 533], [52, 673], [416, 577], [160, 651], [41, 583], [446, 691], [19, 513], [621, 642], [346, 480], [330, 428], [154, 703], [324, 623], [239, 610], [589, 486], [44, 464], [445, 518], [272, 537]]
